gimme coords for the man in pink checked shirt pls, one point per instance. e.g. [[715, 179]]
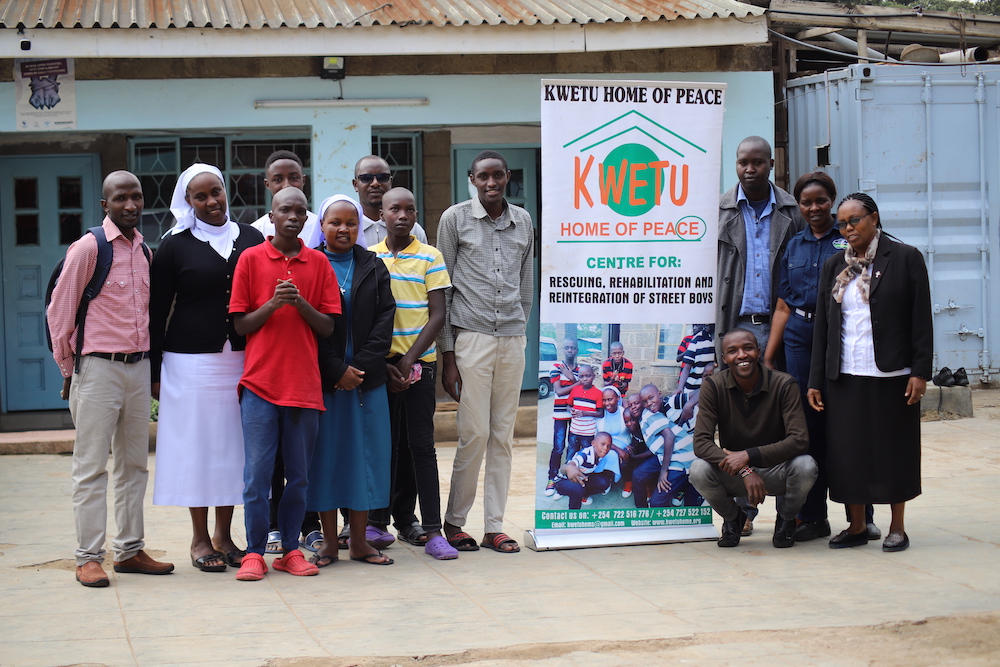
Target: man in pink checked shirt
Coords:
[[109, 393]]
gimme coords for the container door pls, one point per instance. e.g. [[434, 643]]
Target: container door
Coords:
[[523, 190], [928, 157], [45, 204]]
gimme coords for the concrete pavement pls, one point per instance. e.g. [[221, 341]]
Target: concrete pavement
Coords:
[[560, 607]]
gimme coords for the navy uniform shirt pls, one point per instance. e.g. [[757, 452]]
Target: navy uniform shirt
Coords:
[[801, 266]]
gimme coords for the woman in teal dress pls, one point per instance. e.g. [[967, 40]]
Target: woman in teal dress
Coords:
[[351, 465]]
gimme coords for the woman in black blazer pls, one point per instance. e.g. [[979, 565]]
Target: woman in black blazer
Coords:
[[872, 349]]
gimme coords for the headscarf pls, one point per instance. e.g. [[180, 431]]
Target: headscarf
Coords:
[[318, 237], [221, 238], [858, 266], [611, 387]]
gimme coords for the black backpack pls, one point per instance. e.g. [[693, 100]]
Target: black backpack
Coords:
[[105, 255]]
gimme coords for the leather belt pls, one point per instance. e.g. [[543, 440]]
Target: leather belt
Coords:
[[124, 357], [757, 318], [804, 314]]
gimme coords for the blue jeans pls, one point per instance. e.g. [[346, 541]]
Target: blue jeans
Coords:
[[680, 483], [262, 423], [644, 478], [576, 443], [596, 483], [559, 427]]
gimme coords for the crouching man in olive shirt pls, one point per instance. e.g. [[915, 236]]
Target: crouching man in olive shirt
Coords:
[[763, 442]]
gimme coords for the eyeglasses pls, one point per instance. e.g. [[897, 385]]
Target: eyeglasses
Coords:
[[383, 178], [853, 222]]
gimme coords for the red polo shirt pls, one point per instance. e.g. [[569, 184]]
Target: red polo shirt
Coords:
[[282, 364]]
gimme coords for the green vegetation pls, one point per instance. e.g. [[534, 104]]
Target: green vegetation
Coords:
[[991, 7]]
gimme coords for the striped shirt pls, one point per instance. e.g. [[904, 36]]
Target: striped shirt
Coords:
[[416, 271], [618, 375], [118, 317], [560, 406], [655, 424], [584, 399], [699, 354], [491, 263], [585, 460]]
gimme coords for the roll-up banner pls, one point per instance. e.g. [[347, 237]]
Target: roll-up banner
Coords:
[[630, 201]]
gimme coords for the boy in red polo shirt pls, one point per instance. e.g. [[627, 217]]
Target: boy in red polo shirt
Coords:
[[585, 407], [284, 295]]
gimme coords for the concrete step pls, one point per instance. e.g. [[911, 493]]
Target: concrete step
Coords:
[[61, 442]]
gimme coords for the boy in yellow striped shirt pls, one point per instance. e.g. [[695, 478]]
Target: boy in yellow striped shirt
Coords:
[[419, 279]]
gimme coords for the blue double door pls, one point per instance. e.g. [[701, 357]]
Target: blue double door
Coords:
[[46, 202]]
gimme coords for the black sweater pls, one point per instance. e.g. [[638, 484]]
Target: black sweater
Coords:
[[193, 280], [373, 309]]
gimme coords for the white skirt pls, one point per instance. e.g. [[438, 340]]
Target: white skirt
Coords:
[[199, 437]]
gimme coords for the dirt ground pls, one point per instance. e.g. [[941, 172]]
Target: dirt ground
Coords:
[[967, 639]]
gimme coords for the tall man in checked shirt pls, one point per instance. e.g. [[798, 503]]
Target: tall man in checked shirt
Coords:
[[109, 396], [756, 221], [488, 247]]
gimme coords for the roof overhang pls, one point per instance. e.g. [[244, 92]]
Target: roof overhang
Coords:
[[381, 40]]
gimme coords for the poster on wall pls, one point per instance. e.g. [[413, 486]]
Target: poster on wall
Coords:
[[630, 196], [45, 94]]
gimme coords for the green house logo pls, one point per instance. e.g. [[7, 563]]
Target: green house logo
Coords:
[[632, 178]]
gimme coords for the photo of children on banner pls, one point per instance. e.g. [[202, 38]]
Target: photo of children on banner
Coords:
[[616, 370], [642, 441]]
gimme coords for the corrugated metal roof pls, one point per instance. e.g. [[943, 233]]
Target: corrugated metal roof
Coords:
[[320, 13]]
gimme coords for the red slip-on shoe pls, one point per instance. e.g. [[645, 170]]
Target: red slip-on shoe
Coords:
[[295, 563], [253, 568]]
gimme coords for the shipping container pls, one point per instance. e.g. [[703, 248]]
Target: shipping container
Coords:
[[924, 142]]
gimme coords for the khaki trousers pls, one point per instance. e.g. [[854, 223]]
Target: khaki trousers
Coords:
[[492, 368], [109, 402]]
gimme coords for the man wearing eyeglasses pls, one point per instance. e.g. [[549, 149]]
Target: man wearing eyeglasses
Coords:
[[372, 179]]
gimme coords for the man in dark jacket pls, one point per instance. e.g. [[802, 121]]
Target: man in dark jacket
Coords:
[[763, 441], [756, 220]]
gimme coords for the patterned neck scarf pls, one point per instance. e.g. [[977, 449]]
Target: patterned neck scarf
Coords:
[[857, 266]]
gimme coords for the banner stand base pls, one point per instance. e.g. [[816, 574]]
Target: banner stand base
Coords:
[[568, 538]]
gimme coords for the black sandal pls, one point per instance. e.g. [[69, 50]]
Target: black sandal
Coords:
[[414, 534], [202, 563]]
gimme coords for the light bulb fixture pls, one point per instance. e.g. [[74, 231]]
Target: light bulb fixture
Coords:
[[333, 68]]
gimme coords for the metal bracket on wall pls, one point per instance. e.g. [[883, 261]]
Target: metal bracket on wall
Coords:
[[952, 307], [964, 332]]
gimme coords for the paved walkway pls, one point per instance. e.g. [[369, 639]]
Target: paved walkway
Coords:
[[488, 601]]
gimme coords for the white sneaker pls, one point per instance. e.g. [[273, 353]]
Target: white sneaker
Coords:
[[550, 488], [587, 501]]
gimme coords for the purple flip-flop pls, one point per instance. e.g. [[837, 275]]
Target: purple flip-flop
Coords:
[[378, 538], [439, 548]]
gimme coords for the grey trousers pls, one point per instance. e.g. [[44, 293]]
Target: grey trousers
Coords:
[[791, 479], [109, 403], [491, 369]]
